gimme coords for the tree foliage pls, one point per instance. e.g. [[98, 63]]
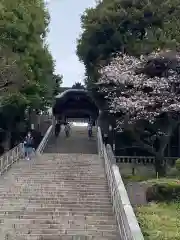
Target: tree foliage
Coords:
[[134, 27], [11, 76], [78, 85], [57, 79], [146, 95], [26, 65], [23, 31]]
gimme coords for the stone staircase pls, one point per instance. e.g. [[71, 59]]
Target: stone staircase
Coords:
[[56, 197], [78, 142]]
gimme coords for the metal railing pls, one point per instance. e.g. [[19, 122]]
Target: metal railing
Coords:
[[10, 157], [17, 153], [127, 223]]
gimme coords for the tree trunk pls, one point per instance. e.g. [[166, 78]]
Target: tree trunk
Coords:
[[160, 166]]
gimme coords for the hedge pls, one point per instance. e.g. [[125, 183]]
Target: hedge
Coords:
[[178, 164], [163, 190]]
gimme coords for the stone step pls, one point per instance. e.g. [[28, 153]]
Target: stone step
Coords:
[[58, 185], [10, 220], [5, 209], [46, 201], [57, 178], [61, 173], [69, 179], [54, 199], [61, 186], [64, 193], [92, 171], [60, 166], [52, 217], [63, 208], [63, 164], [27, 228], [72, 206], [59, 162], [71, 236], [55, 215], [83, 171], [79, 177], [40, 204], [67, 171], [68, 157], [54, 207], [63, 190], [58, 232], [62, 237], [60, 191], [39, 197], [84, 161], [96, 220]]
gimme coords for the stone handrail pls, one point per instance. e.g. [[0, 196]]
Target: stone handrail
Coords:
[[10, 157], [142, 159], [127, 223], [44, 141], [100, 143], [46, 137]]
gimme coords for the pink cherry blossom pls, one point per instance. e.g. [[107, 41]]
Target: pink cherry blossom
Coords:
[[135, 93]]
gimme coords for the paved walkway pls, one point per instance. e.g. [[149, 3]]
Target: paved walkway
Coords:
[[77, 142], [137, 193]]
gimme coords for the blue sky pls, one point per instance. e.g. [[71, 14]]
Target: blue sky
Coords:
[[64, 30]]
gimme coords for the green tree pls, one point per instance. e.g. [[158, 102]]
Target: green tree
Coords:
[[11, 76], [133, 27], [26, 66], [78, 85], [57, 79], [144, 97], [24, 27]]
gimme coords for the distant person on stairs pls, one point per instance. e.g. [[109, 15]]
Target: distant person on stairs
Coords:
[[67, 129], [57, 128], [29, 146], [89, 129], [105, 138]]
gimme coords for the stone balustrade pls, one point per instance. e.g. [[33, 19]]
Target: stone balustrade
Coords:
[[143, 159], [45, 139], [128, 225]]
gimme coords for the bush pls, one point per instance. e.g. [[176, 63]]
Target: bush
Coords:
[[178, 164], [159, 221], [173, 172], [163, 190], [134, 178]]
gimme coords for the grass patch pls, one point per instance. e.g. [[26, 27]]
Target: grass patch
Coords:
[[135, 178], [150, 179], [163, 180], [160, 221]]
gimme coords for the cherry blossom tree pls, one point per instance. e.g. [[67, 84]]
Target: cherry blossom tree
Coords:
[[146, 93]]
